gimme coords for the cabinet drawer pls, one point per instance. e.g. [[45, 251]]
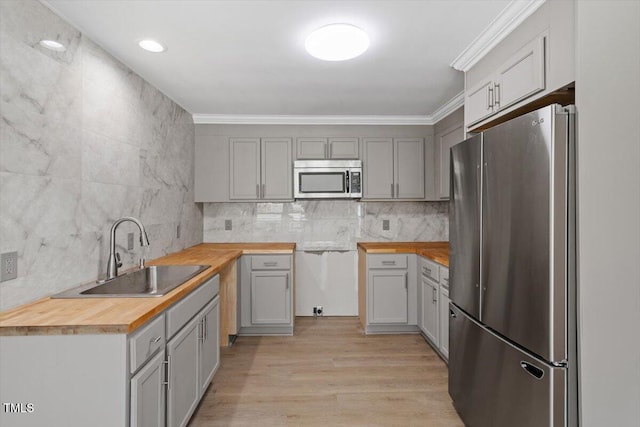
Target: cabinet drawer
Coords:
[[145, 342], [430, 269], [185, 309], [270, 262], [387, 261], [444, 276]]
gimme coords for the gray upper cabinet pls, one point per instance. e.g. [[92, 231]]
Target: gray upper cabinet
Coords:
[[444, 141], [327, 148], [260, 169], [409, 168], [520, 76], [277, 169], [244, 183], [393, 168]]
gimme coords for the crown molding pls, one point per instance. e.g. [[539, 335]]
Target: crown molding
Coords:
[[510, 17], [239, 119], [448, 108], [308, 119]]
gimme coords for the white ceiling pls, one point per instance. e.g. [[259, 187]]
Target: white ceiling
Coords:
[[248, 58]]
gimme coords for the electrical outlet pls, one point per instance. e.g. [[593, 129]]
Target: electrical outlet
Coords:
[[315, 311], [385, 224], [9, 265], [228, 225], [129, 241], [319, 310], [178, 231]]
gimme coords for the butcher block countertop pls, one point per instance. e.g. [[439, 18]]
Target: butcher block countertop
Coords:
[[436, 251], [49, 316]]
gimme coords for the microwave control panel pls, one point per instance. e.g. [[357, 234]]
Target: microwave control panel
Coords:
[[355, 183]]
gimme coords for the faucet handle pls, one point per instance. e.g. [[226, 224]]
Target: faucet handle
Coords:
[[118, 262], [141, 264]]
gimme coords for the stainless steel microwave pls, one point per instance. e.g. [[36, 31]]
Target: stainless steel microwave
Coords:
[[327, 179]]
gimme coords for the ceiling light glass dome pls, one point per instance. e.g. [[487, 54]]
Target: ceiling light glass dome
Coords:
[[337, 42]]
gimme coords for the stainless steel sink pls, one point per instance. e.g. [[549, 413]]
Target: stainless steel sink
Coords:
[[154, 281]]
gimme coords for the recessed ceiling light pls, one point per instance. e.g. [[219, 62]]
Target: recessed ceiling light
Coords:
[[53, 45], [152, 46], [337, 42]]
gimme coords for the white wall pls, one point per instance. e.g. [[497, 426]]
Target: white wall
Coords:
[[608, 103]]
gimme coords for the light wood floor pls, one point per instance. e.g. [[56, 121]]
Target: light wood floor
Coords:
[[328, 374]]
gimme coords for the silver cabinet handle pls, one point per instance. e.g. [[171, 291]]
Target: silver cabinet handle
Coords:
[[168, 381], [325, 151], [201, 330], [392, 190], [496, 92], [398, 190], [427, 270], [287, 280], [489, 98], [388, 263], [204, 327], [330, 151], [406, 281], [264, 186], [257, 191], [156, 339], [433, 293], [270, 263]]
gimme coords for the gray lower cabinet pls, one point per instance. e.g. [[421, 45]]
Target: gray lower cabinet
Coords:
[[388, 296], [270, 297], [148, 394], [210, 344], [434, 305], [193, 356], [266, 295], [390, 293], [183, 389], [430, 316]]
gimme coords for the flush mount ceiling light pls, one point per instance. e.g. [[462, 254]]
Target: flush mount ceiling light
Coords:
[[337, 42], [152, 46], [53, 45]]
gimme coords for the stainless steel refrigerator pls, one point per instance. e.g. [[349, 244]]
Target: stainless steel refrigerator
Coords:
[[512, 325]]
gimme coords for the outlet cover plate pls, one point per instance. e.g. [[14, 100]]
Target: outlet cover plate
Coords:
[[385, 224], [228, 225], [9, 266]]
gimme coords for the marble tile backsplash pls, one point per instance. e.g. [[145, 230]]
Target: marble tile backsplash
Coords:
[[326, 225], [83, 141]]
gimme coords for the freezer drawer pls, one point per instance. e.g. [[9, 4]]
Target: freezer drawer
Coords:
[[494, 384]]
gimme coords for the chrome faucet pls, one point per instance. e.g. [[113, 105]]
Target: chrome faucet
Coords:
[[114, 258]]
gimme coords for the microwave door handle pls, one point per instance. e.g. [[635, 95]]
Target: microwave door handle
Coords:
[[346, 179]]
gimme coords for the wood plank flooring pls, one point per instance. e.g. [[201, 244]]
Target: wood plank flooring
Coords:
[[328, 374]]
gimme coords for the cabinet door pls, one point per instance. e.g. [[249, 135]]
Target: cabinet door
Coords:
[[377, 168], [344, 148], [445, 141], [387, 296], [209, 343], [430, 310], [244, 159], [522, 75], [270, 297], [478, 103], [443, 311], [184, 388], [311, 148], [148, 394], [277, 169], [409, 168]]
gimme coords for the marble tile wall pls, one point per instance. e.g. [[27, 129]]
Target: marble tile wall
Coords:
[[326, 225], [83, 141]]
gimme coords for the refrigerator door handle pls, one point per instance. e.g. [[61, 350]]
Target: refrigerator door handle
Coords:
[[534, 371]]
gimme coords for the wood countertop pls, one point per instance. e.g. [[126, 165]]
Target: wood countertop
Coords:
[[49, 316], [436, 251]]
